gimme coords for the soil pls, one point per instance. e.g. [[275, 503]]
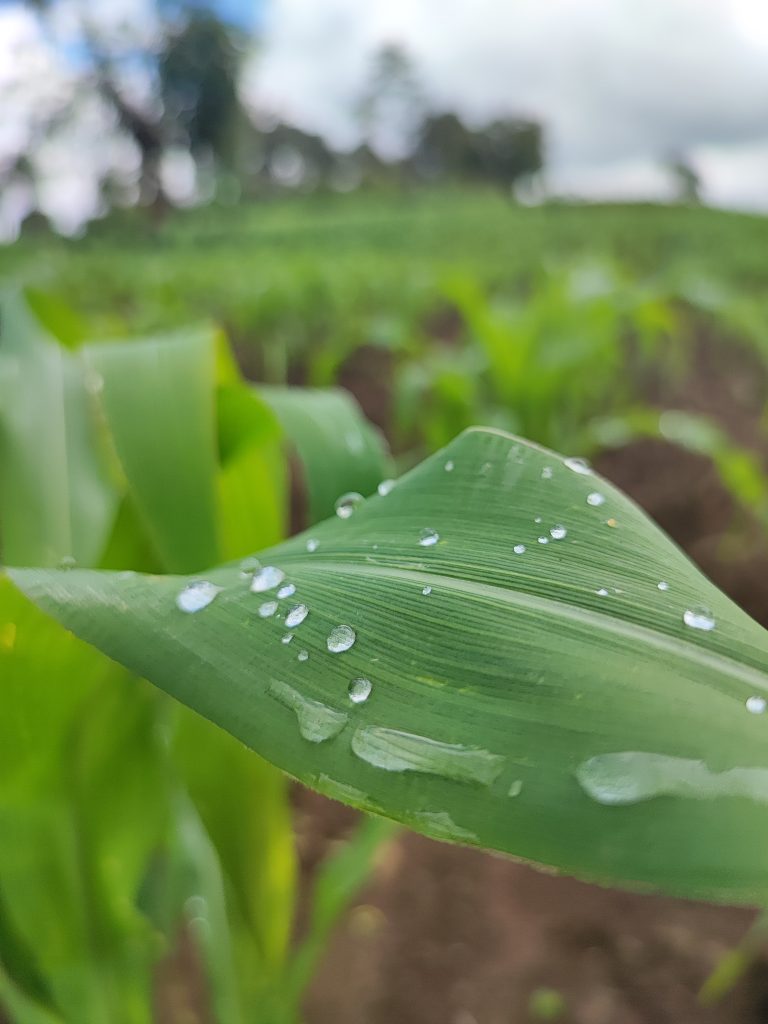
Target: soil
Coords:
[[445, 935]]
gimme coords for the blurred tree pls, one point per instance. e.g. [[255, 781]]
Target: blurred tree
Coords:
[[393, 104], [687, 179]]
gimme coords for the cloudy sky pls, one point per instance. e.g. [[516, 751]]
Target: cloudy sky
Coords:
[[619, 84]]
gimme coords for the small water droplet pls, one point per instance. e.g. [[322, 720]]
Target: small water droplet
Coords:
[[449, 466], [612, 523], [699, 617], [249, 566], [317, 722], [359, 690], [312, 545], [516, 788], [340, 639], [347, 503], [287, 591], [385, 487], [267, 609], [756, 705], [428, 538], [266, 579], [543, 540], [595, 498], [426, 591], [580, 466], [302, 656], [519, 549], [602, 592], [546, 473], [558, 532], [67, 562], [196, 596], [287, 638], [662, 585], [537, 520], [296, 615]]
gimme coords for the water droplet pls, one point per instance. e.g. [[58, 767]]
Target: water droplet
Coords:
[[441, 825], [662, 585], [426, 591], [287, 638], [267, 609], [516, 788], [67, 562], [558, 532], [537, 520], [347, 503], [699, 617], [317, 722], [296, 615], [302, 656], [397, 751], [312, 545], [340, 639], [756, 705], [628, 777], [266, 579], [602, 592], [595, 498], [543, 540], [249, 566], [359, 690], [580, 466], [287, 591], [196, 596], [428, 538], [449, 466], [546, 473], [519, 549], [385, 487]]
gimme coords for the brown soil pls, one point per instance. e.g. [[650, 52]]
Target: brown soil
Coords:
[[444, 935]]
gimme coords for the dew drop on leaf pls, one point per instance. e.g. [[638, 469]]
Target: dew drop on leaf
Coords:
[[449, 466], [580, 466], [267, 609], [287, 591], [196, 596], [359, 690], [249, 566], [546, 473], [595, 498], [428, 538], [756, 705], [347, 503], [287, 638], [558, 532], [302, 656], [312, 545], [699, 617], [266, 579], [340, 639], [426, 591], [602, 592], [296, 615], [385, 487], [662, 585], [543, 540]]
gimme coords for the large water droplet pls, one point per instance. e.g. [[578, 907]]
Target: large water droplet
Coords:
[[397, 751], [580, 466], [266, 579], [347, 503], [287, 591], [631, 776], [385, 487], [519, 549], [196, 596], [558, 532], [296, 615], [449, 466], [340, 639], [699, 617], [428, 538], [756, 705], [312, 545], [359, 690], [267, 609], [317, 722], [595, 498]]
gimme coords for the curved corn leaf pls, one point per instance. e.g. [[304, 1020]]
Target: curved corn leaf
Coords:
[[552, 703]]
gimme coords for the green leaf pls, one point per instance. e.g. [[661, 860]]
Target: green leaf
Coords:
[[338, 450], [56, 497], [551, 704]]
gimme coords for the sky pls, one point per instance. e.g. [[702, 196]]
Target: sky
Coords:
[[620, 85]]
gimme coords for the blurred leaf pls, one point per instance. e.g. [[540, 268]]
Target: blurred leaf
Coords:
[[338, 449], [158, 398], [56, 498], [554, 704]]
